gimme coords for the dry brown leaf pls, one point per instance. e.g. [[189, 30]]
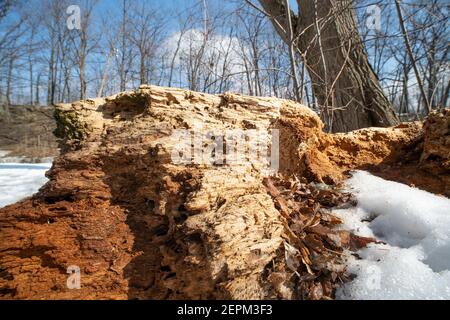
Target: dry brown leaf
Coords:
[[358, 242], [290, 255], [316, 291], [280, 283], [331, 219], [320, 230], [313, 242]]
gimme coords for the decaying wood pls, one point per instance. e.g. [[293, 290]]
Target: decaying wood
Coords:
[[140, 226]]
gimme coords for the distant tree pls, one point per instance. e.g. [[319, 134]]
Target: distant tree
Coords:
[[344, 83], [84, 42], [4, 7], [145, 34]]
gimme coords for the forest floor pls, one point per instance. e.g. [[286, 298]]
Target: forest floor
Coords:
[[26, 134], [140, 226]]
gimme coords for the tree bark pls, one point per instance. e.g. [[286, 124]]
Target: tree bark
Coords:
[[344, 84]]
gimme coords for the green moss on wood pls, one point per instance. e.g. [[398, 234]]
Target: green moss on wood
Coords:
[[69, 127]]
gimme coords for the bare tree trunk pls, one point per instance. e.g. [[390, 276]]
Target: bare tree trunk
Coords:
[[172, 64], [344, 83], [444, 98], [405, 94], [9, 80], [82, 66], [142, 71], [123, 46], [51, 73], [290, 32], [105, 73], [432, 73], [37, 101], [30, 69], [411, 56]]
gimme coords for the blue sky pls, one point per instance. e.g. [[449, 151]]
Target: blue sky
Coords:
[[174, 6], [110, 10]]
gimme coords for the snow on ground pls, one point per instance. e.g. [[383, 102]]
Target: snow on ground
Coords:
[[415, 261], [20, 180]]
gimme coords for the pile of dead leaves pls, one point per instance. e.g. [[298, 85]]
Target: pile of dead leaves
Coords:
[[314, 247]]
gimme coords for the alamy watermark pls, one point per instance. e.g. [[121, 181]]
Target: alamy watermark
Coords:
[[74, 278], [373, 17], [74, 18], [231, 147]]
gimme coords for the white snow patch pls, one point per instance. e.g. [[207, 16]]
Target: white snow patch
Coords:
[[20, 180], [415, 224]]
